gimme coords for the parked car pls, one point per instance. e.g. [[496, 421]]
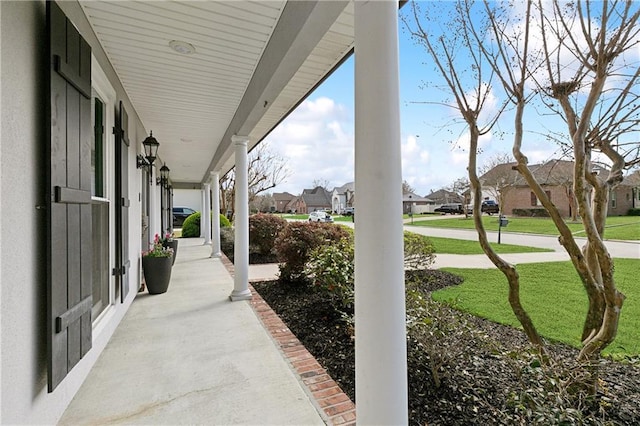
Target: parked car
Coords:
[[489, 207], [180, 214], [452, 208], [320, 216], [347, 211]]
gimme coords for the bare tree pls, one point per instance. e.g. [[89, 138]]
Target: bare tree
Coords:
[[461, 187], [470, 83], [583, 46], [498, 177], [266, 170], [322, 183], [596, 36], [406, 188]]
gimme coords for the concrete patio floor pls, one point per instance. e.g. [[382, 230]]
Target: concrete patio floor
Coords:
[[190, 356]]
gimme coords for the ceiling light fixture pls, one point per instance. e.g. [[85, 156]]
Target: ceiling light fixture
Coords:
[[182, 47]]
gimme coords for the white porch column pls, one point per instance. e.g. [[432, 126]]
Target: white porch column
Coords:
[[203, 203], [381, 352], [205, 218], [241, 223], [215, 221]]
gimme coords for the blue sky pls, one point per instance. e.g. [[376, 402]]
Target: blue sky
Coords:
[[317, 139]]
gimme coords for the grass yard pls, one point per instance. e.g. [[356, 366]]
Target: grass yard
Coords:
[[618, 227], [336, 217], [453, 246], [554, 298]]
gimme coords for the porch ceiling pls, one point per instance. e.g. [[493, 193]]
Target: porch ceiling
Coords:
[[253, 63]]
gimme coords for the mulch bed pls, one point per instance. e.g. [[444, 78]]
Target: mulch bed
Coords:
[[481, 366]]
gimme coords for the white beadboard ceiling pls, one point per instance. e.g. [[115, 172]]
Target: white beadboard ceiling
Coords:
[[254, 61]]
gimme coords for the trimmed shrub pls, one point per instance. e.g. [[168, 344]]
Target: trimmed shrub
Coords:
[[295, 243], [330, 269], [418, 251], [191, 225], [227, 242], [534, 212], [224, 222], [263, 231], [634, 212]]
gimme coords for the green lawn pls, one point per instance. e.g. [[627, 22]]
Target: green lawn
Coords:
[[554, 297], [336, 217], [452, 246], [618, 227]]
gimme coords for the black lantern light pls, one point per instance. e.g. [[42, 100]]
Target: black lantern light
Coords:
[[150, 151], [164, 176]]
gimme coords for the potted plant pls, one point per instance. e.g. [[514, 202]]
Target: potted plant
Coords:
[[156, 265], [169, 242]]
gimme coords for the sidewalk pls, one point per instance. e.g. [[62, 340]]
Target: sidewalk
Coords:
[[190, 356]]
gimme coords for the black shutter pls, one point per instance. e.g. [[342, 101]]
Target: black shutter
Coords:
[[98, 150], [69, 240], [122, 200]]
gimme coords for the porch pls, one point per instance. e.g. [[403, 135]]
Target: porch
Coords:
[[190, 356]]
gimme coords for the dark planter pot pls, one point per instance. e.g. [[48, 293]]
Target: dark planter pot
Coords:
[[157, 273], [174, 245]]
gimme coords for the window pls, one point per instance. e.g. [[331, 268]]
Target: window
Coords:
[[102, 116], [99, 214], [534, 200], [97, 149], [613, 200]]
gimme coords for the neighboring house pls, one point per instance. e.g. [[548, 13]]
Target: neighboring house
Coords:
[[314, 199], [510, 189], [415, 204], [342, 197], [282, 200], [296, 205], [625, 196], [442, 196], [497, 182]]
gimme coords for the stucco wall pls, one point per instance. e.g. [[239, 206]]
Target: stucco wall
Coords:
[[22, 255], [23, 364], [188, 198]]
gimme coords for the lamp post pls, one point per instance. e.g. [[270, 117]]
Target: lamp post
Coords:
[[150, 146], [163, 181]]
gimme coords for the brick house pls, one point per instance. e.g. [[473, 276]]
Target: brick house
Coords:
[[556, 178], [282, 200], [311, 200]]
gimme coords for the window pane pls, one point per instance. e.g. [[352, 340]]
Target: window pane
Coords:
[[100, 228], [97, 151]]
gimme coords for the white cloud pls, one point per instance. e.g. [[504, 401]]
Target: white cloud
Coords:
[[317, 142], [416, 166]]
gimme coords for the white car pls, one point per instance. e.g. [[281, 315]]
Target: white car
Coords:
[[320, 216]]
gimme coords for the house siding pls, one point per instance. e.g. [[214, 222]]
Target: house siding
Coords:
[[24, 398], [520, 198], [624, 201]]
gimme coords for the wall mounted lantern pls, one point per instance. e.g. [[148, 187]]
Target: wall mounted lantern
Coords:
[[164, 176], [150, 145]]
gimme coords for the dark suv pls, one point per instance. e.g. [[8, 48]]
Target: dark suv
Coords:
[[180, 214], [453, 208], [490, 207]]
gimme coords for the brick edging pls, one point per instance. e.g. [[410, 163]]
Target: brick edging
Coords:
[[323, 390]]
